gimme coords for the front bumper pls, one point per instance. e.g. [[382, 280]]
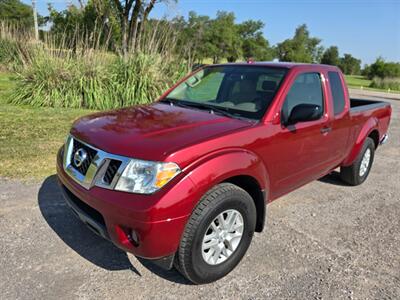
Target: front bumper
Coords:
[[89, 216], [157, 220]]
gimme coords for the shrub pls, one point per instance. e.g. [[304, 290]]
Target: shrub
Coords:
[[382, 69], [52, 74], [141, 78], [51, 80], [15, 48], [94, 80], [386, 83]]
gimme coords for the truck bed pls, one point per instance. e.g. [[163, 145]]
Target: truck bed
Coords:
[[363, 104]]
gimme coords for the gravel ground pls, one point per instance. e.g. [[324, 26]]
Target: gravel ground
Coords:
[[323, 241]]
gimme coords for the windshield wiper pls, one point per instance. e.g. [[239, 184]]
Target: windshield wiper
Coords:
[[172, 102], [213, 110], [210, 108]]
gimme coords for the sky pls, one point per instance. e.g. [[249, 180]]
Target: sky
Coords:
[[366, 29]]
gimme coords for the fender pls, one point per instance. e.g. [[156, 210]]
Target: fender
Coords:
[[222, 165], [369, 126], [218, 166]]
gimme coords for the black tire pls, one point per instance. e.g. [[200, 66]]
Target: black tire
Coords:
[[351, 174], [189, 260]]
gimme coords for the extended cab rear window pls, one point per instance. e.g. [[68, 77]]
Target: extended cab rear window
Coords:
[[337, 92], [243, 91]]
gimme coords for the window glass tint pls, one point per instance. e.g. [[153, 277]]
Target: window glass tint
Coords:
[[200, 87], [306, 89], [337, 92], [268, 82], [246, 91]]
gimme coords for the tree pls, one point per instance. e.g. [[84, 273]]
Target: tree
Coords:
[[18, 13], [365, 71], [222, 38], [192, 36], [66, 21], [301, 48], [123, 22], [201, 37], [79, 24], [331, 56], [350, 65], [93, 22], [133, 15], [128, 9], [254, 44], [382, 69]]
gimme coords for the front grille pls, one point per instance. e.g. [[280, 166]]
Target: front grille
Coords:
[[111, 171], [104, 167], [91, 153]]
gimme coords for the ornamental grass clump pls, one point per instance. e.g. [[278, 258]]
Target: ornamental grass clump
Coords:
[[54, 74], [386, 83]]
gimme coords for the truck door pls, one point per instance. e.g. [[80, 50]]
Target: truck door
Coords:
[[301, 152]]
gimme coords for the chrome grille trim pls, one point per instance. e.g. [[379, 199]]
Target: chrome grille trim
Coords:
[[98, 167]]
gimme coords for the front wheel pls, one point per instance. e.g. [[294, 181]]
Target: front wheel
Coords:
[[217, 234], [359, 170]]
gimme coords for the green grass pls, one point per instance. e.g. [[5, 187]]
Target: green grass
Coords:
[[30, 137], [360, 82], [357, 81]]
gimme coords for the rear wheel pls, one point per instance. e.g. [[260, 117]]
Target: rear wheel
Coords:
[[217, 234], [358, 172]]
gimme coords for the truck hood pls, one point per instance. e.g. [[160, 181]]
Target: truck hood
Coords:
[[151, 132]]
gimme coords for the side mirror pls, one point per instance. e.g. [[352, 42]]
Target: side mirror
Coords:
[[304, 113]]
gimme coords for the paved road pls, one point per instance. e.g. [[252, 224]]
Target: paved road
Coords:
[[325, 240], [374, 94]]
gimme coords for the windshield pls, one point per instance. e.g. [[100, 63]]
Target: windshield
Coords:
[[242, 91]]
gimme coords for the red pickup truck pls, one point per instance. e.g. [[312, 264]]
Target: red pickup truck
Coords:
[[185, 181]]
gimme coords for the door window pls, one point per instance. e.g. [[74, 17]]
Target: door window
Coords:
[[306, 89]]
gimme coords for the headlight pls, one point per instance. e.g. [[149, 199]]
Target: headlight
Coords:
[[146, 177]]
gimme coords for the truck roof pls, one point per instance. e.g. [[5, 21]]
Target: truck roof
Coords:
[[288, 65]]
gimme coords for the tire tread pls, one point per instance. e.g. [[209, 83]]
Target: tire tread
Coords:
[[350, 174], [182, 264]]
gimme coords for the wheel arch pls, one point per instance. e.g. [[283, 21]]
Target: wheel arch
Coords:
[[242, 168], [374, 135], [252, 187], [370, 129]]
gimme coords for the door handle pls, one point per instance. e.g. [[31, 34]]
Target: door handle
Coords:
[[326, 129]]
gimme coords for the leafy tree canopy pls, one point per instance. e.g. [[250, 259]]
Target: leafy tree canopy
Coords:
[[222, 37], [16, 12], [254, 44], [349, 64], [300, 48], [93, 23], [331, 56], [382, 69], [121, 25]]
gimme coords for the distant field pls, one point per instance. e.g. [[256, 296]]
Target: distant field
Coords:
[[360, 82], [357, 81]]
